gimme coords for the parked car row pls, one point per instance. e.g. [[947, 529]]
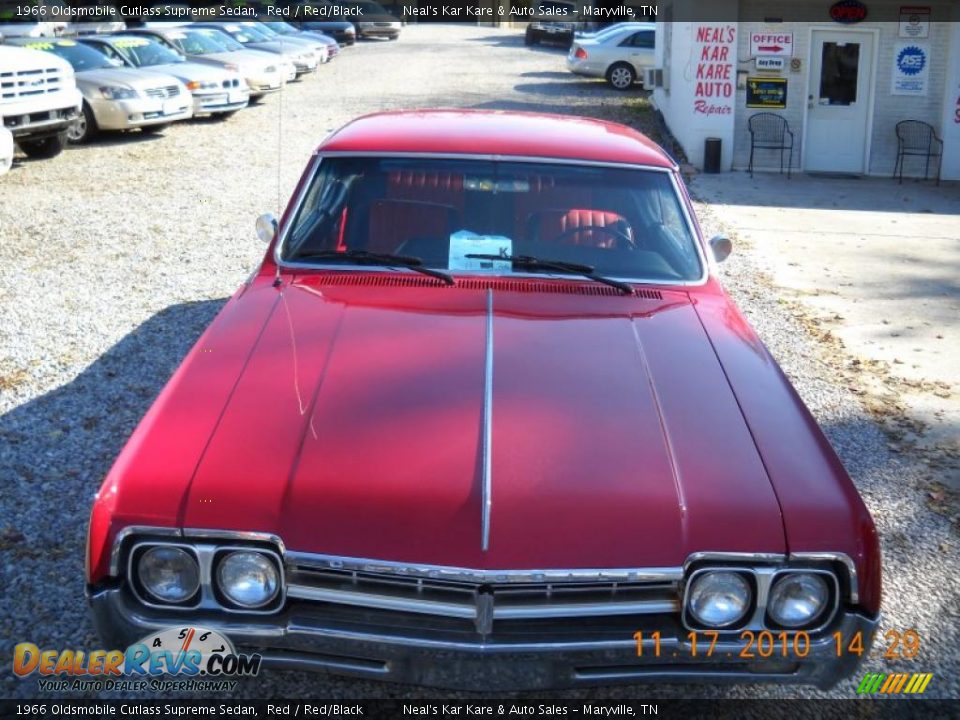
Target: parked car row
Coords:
[[61, 89]]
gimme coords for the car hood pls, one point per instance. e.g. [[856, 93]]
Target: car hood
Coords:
[[125, 76], [190, 71], [286, 49], [362, 425]]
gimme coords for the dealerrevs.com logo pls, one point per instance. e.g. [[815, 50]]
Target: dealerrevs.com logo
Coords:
[[200, 659]]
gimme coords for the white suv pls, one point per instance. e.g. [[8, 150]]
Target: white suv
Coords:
[[39, 100], [6, 148]]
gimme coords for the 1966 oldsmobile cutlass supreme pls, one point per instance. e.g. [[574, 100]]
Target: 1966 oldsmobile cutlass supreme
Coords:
[[485, 418]]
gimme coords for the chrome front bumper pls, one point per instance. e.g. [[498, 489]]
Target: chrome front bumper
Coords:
[[306, 638]]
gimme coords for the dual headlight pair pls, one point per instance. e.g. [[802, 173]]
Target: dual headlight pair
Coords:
[[722, 598], [246, 579]]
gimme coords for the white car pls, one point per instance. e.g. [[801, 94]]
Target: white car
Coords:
[[619, 54], [6, 148]]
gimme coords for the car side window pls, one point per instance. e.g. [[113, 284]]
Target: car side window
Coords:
[[642, 39]]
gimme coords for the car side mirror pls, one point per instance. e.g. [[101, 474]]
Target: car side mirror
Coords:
[[267, 227], [721, 247]]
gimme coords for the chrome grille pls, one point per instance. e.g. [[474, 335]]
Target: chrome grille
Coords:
[[29, 83], [486, 605], [163, 92]]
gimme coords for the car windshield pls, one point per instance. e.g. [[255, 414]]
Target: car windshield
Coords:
[[625, 222], [197, 42], [246, 34], [223, 39], [142, 52], [79, 56], [281, 28]]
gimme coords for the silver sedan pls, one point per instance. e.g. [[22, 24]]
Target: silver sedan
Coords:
[[620, 54], [116, 97], [215, 91]]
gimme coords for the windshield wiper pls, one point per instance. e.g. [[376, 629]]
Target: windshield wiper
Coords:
[[533, 263], [362, 257]]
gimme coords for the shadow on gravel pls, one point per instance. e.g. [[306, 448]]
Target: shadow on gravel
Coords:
[[114, 138], [547, 74], [61, 444]]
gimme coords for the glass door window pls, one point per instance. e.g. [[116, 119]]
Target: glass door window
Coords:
[[839, 68]]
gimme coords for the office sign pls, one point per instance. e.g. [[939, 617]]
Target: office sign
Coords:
[[769, 93], [779, 44]]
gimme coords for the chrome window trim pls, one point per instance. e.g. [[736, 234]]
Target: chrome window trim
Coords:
[[319, 156]]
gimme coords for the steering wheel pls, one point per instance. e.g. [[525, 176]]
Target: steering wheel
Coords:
[[619, 235]]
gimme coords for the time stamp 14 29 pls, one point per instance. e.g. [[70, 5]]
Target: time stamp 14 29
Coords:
[[897, 645]]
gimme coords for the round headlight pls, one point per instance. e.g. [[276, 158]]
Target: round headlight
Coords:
[[719, 599], [248, 579], [797, 599], [169, 574]]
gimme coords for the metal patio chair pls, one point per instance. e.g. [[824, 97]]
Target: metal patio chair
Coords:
[[769, 131], [920, 140]]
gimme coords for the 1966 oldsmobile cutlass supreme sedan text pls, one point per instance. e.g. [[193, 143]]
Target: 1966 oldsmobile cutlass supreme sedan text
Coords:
[[485, 418]]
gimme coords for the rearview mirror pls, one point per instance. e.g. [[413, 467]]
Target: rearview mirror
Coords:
[[266, 227], [721, 247]]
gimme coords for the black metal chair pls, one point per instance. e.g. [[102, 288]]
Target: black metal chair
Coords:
[[769, 131], [920, 140]]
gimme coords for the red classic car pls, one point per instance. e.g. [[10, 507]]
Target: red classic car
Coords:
[[485, 418]]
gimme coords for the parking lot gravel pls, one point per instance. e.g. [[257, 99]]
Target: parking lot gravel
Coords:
[[114, 257]]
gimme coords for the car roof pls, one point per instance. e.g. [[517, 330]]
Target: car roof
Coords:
[[496, 132]]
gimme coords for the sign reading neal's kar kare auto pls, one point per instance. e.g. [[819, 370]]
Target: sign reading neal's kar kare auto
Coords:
[[767, 92]]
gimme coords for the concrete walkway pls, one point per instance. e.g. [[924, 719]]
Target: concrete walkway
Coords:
[[876, 263]]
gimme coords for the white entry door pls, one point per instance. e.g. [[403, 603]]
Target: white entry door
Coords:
[[840, 101]]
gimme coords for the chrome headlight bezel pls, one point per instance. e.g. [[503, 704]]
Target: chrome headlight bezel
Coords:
[[691, 619], [224, 596], [141, 587], [821, 617], [207, 550]]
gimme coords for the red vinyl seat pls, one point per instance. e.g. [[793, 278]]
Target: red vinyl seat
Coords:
[[549, 225]]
